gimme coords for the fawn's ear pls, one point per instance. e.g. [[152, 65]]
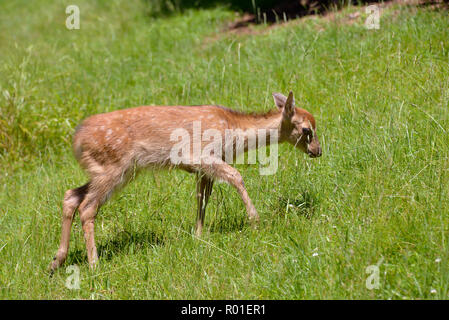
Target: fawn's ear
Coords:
[[279, 100], [287, 105], [289, 108]]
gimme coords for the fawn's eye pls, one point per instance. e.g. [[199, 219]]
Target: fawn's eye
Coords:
[[307, 132]]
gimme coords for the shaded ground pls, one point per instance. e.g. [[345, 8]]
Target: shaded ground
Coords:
[[270, 11], [260, 10], [288, 10]]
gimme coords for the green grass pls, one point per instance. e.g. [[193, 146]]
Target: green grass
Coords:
[[380, 190]]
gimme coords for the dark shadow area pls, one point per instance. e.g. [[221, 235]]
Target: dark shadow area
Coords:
[[303, 204], [270, 11], [226, 221], [120, 243], [229, 224], [257, 11], [436, 4]]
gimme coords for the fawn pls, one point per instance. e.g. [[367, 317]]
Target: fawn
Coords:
[[111, 146]]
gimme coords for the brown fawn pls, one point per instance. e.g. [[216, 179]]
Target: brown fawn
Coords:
[[111, 146]]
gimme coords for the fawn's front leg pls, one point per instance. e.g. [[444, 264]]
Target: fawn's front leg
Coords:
[[203, 190], [219, 169]]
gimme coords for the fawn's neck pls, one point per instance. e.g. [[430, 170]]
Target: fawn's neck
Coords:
[[269, 122]]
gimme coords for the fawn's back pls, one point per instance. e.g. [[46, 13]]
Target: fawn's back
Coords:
[[142, 134]]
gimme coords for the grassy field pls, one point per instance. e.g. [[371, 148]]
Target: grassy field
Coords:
[[378, 195]]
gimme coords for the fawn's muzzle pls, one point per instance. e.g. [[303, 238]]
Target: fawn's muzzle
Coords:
[[314, 152]]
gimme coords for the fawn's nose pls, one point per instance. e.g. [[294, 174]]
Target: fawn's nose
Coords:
[[314, 153]]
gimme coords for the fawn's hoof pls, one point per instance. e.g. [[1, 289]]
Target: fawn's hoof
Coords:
[[53, 266], [93, 264], [254, 220]]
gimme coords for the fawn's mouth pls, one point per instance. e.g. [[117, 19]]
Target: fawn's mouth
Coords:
[[313, 154]]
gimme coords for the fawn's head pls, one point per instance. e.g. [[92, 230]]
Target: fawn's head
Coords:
[[297, 126]]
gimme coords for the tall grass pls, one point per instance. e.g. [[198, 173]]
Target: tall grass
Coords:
[[378, 194]]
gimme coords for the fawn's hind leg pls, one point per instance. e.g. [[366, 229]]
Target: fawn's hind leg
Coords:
[[88, 200], [203, 189], [88, 211], [72, 200], [100, 189]]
